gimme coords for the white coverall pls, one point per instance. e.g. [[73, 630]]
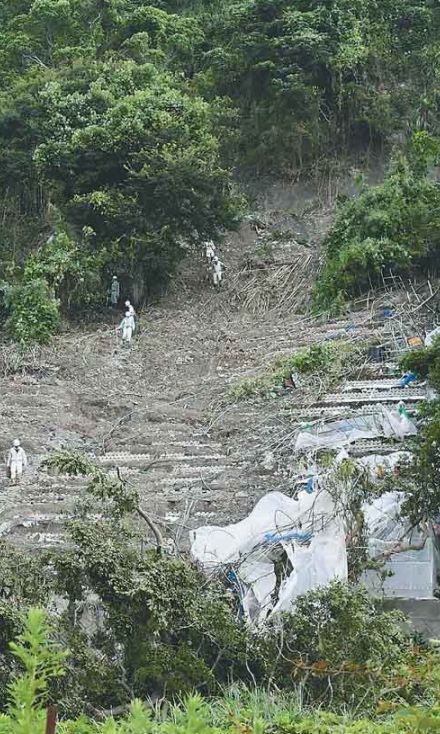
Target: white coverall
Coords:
[[132, 313], [217, 269], [210, 252], [114, 292], [127, 328], [17, 461]]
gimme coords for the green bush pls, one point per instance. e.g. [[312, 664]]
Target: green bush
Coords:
[[240, 710], [389, 226], [70, 269], [421, 478], [304, 76], [425, 363], [41, 661], [340, 646], [33, 312], [328, 360]]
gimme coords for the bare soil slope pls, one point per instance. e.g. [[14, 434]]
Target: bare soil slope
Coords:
[[163, 402]]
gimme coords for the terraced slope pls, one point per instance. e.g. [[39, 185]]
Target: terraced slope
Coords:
[[159, 410]]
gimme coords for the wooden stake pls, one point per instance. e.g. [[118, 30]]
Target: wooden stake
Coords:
[[51, 720]]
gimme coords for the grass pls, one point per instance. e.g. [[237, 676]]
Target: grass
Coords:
[[328, 360]]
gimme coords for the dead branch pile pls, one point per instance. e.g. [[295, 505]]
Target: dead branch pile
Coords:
[[278, 286]]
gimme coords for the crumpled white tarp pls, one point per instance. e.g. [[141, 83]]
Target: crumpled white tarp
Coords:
[[381, 422], [378, 465], [382, 518], [324, 560], [429, 338], [413, 572], [306, 528]]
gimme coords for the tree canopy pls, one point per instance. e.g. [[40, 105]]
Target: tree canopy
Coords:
[[121, 123]]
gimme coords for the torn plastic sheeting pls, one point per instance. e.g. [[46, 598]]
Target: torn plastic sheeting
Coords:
[[275, 512], [259, 580], [383, 422], [323, 561], [252, 547], [413, 572], [382, 517], [378, 465]]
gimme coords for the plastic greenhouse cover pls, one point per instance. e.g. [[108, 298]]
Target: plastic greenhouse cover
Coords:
[[306, 529], [381, 422]]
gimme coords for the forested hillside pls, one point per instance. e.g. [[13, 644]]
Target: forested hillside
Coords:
[[291, 411], [124, 126]]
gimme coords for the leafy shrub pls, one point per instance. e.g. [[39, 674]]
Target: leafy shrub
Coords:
[[69, 268], [393, 225], [326, 360], [41, 661], [421, 478], [33, 312], [340, 645]]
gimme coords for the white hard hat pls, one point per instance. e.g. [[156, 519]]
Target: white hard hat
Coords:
[[127, 303], [16, 442], [127, 313], [114, 277]]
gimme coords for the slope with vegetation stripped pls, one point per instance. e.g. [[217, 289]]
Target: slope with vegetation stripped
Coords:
[[125, 130], [165, 415]]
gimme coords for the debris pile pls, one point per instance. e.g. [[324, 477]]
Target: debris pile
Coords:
[[369, 419], [305, 533]]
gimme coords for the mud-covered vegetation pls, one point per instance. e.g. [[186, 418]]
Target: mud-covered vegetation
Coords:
[[327, 363]]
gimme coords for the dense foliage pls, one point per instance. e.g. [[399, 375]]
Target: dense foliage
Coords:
[[143, 623], [421, 480], [313, 77], [119, 121], [104, 147], [237, 711], [392, 226]]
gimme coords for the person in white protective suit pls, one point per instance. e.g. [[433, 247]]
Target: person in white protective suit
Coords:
[[209, 251], [114, 292], [17, 461], [217, 271], [129, 307], [126, 327]]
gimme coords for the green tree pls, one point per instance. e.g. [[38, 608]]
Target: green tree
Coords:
[[42, 661], [392, 225]]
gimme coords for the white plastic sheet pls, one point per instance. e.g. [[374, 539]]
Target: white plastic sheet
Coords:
[[413, 572], [382, 517], [378, 465], [381, 422], [429, 339], [307, 529]]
